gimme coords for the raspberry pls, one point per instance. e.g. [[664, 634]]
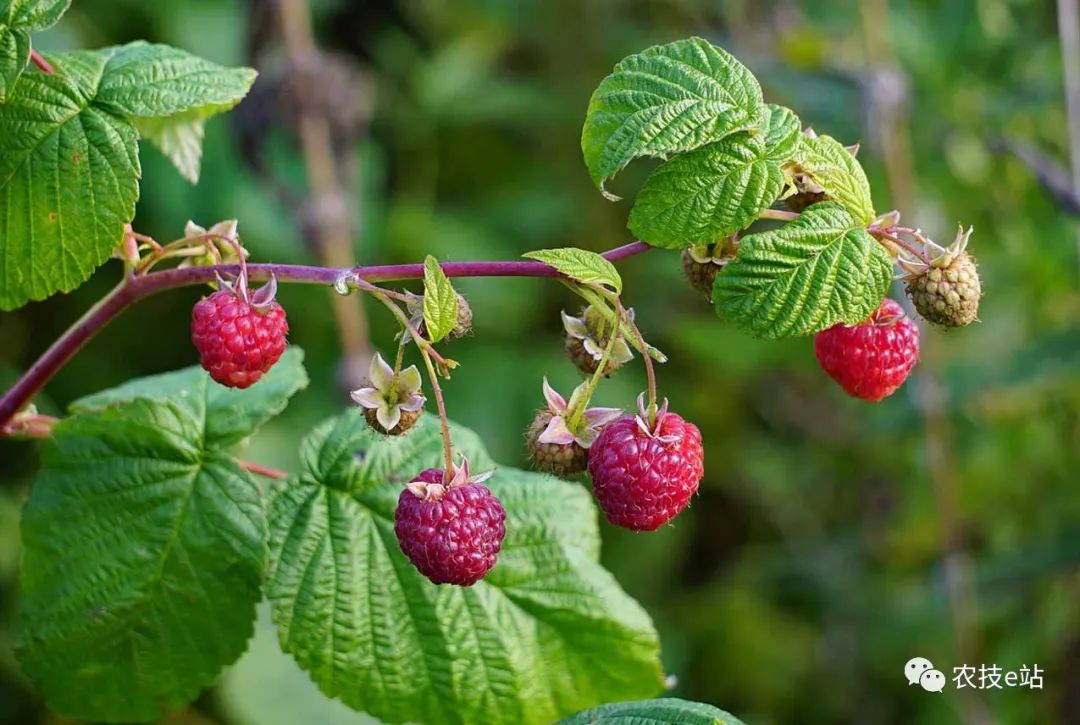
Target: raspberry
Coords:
[[701, 264], [560, 459], [560, 435], [945, 287], [451, 532], [238, 342], [406, 420], [871, 359], [587, 337], [463, 326], [643, 477], [392, 401], [799, 202]]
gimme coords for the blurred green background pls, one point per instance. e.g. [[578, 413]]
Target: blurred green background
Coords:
[[832, 540]]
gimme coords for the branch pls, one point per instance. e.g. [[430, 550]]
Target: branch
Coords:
[[135, 288]]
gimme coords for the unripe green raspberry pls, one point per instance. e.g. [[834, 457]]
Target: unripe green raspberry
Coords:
[[945, 291], [701, 264]]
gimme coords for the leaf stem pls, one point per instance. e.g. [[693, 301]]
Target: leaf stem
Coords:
[[650, 373], [134, 289], [261, 470], [41, 63], [448, 456], [779, 215]]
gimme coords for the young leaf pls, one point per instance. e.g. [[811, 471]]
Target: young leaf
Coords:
[[440, 301], [581, 265], [179, 138], [821, 269], [782, 133], [664, 710], [19, 18], [144, 546], [667, 99], [69, 164], [838, 173], [547, 633], [705, 194]]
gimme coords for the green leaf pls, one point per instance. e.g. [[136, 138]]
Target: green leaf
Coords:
[[14, 56], [838, 173], [18, 18], [782, 133], [667, 99], [169, 94], [703, 195], [227, 415], [156, 81], [69, 175], [581, 265], [661, 712], [440, 301], [179, 138], [142, 563], [548, 632], [145, 544], [818, 270], [32, 14], [69, 165]]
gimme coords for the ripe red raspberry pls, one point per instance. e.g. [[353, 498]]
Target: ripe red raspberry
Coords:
[[871, 359], [237, 341], [452, 533], [643, 478]]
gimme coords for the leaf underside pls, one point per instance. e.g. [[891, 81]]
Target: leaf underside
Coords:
[[663, 711]]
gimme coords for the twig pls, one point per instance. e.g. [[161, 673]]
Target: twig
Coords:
[[133, 289], [444, 422]]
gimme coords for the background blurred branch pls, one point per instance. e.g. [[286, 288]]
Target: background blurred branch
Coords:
[[330, 211], [1069, 32]]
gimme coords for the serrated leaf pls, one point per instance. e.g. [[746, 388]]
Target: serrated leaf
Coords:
[[440, 301], [818, 270], [547, 633], [69, 175], [14, 56], [581, 265], [782, 132], [32, 14], [667, 99], [147, 80], [179, 138], [18, 18], [143, 554], [646, 712], [838, 173], [227, 415], [69, 165], [706, 194]]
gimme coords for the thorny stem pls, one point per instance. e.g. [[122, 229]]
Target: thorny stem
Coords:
[[136, 288], [448, 456], [261, 470], [650, 373], [41, 63]]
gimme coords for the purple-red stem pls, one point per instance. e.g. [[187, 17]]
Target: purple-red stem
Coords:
[[37, 59], [135, 288]]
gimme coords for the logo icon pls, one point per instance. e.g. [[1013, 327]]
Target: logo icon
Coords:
[[932, 680], [915, 668]]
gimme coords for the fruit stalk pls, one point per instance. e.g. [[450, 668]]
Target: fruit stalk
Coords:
[[444, 423], [133, 289]]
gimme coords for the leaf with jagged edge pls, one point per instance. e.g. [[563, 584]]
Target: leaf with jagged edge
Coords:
[[580, 265], [662, 711], [144, 545], [547, 632], [664, 100], [440, 306], [69, 164], [818, 270], [706, 194], [839, 174], [18, 19], [782, 132]]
